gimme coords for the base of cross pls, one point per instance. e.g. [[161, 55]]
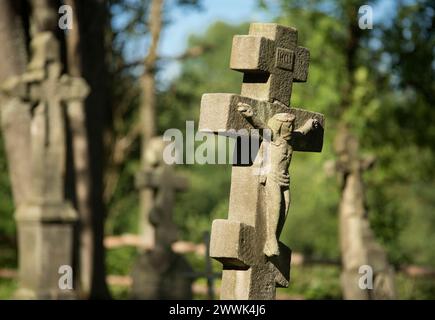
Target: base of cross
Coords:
[[248, 274], [41, 294], [45, 237], [161, 275]]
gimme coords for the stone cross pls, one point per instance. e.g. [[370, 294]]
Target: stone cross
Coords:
[[45, 221], [359, 246], [156, 274], [162, 182], [270, 60]]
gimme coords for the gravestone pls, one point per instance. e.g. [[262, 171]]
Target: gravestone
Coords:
[[159, 272], [46, 220], [254, 261], [359, 246]]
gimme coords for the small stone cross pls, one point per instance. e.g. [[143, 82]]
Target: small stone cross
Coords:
[[162, 181]]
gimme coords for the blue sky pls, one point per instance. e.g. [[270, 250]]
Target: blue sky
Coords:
[[185, 22]]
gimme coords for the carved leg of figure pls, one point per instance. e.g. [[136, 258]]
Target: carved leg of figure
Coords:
[[283, 213], [273, 194]]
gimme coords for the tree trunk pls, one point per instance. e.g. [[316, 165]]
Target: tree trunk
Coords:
[[148, 117], [86, 57], [81, 170]]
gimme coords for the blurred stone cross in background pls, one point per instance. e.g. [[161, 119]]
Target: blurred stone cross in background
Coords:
[[156, 272], [45, 220], [208, 273], [359, 247], [270, 61]]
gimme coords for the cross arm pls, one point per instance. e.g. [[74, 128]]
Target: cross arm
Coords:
[[219, 115], [152, 179], [14, 87], [73, 88], [236, 244], [304, 139], [21, 86], [233, 244], [252, 54]]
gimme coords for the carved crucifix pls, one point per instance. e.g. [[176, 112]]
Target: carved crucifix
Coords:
[[271, 61], [45, 221]]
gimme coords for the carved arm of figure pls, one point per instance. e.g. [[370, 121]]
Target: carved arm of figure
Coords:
[[309, 125], [247, 112]]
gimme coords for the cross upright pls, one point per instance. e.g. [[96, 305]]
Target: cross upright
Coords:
[[270, 61]]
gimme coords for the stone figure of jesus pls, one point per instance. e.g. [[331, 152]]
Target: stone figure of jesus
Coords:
[[277, 179]]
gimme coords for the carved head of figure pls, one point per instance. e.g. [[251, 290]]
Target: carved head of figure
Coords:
[[281, 125]]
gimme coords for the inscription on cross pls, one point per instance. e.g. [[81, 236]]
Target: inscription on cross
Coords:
[[254, 262]]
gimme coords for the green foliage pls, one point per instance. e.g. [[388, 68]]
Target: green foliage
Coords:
[[7, 288], [207, 73], [415, 288], [119, 292], [119, 261], [401, 133], [8, 255], [207, 197], [389, 108], [314, 282], [323, 282]]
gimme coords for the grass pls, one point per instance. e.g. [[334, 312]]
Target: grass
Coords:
[[313, 282], [7, 288], [307, 282]]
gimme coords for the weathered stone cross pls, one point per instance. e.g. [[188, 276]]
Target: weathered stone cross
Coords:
[[163, 183], [45, 221], [359, 246], [156, 273], [270, 60], [47, 90]]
